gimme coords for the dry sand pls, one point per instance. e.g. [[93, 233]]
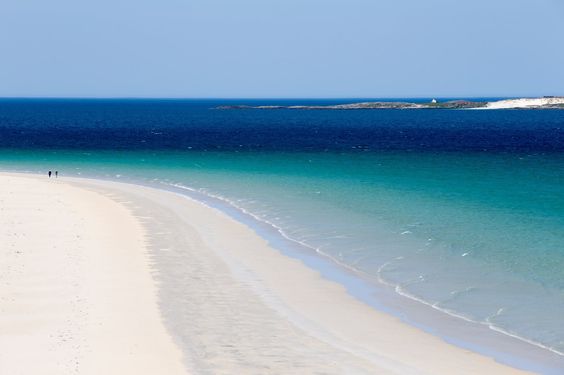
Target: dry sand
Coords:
[[76, 292], [79, 282], [525, 103]]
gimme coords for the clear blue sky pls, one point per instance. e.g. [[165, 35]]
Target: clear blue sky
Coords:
[[281, 48]]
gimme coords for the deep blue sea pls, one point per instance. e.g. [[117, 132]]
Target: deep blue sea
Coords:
[[460, 210]]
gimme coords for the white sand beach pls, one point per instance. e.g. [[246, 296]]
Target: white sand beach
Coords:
[[76, 290], [101, 277], [524, 103]]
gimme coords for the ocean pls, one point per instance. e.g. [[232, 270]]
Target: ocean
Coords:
[[461, 211]]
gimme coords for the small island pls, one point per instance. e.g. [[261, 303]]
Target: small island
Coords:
[[547, 102]]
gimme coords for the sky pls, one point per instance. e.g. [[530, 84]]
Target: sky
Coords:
[[281, 48]]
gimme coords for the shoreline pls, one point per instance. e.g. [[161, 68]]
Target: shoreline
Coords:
[[457, 330], [329, 332]]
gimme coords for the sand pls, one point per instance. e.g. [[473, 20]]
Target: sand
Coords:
[[76, 291], [120, 278], [524, 103]]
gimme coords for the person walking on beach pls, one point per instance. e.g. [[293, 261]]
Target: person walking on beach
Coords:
[[56, 174], [49, 174]]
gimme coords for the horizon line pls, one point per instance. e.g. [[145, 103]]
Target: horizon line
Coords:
[[263, 98]]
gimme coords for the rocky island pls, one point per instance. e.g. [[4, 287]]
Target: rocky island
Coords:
[[547, 102]]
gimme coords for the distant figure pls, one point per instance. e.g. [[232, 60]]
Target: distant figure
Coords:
[[49, 174], [56, 174]]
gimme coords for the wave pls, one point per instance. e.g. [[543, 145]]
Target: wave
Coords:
[[398, 288]]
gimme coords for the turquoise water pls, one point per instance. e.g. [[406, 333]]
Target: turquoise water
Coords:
[[478, 236]]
